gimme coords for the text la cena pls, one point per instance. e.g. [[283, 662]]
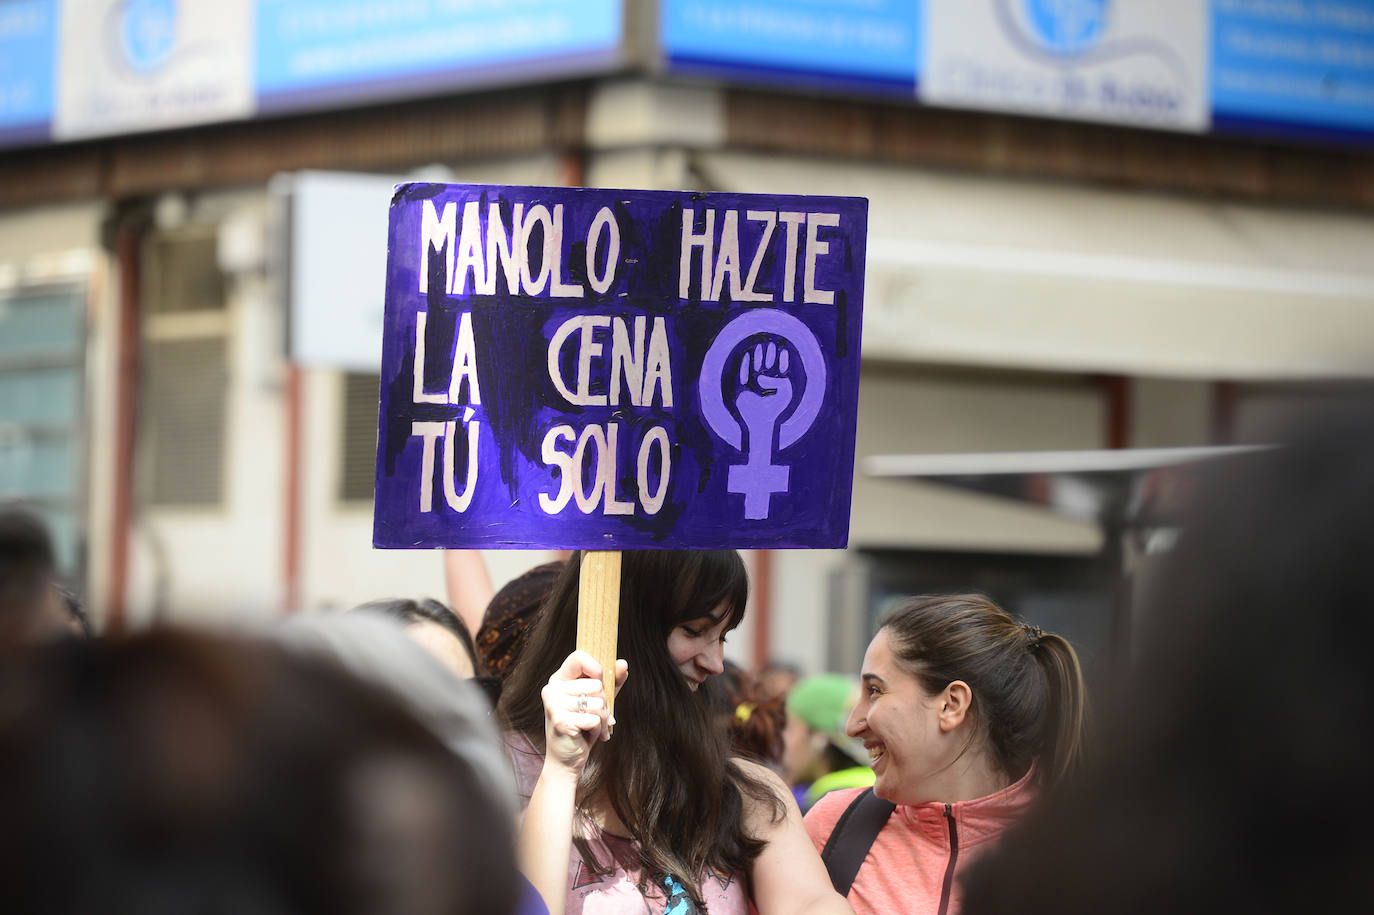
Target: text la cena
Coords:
[[477, 251]]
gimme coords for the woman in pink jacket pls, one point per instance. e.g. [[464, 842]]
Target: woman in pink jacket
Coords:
[[965, 712]]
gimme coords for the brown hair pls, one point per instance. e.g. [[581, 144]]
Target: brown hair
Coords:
[[754, 722], [1029, 701], [509, 617]]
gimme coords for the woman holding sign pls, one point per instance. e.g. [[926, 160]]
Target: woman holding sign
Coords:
[[965, 712], [659, 818]]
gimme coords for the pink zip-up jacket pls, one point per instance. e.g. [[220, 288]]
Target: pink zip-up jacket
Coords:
[[915, 863]]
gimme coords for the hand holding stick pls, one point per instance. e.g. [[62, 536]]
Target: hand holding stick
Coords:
[[577, 711]]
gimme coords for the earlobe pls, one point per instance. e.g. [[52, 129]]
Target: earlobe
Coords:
[[958, 699]]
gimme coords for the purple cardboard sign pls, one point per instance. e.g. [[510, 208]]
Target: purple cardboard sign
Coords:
[[571, 368]]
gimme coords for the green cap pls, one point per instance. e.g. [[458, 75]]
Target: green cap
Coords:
[[824, 702]]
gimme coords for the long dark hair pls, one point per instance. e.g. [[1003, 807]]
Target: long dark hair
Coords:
[[667, 772], [1029, 702]]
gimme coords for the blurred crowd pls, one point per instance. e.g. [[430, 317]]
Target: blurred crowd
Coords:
[[419, 756]]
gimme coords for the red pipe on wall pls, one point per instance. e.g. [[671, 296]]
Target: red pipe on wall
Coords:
[[1222, 415], [126, 405], [763, 608], [1118, 391], [291, 497]]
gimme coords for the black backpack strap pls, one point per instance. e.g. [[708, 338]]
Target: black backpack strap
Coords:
[[853, 836]]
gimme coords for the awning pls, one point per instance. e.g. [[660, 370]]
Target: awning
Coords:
[[1118, 488], [972, 270]]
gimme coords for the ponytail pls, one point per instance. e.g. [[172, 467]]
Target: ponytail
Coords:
[[1066, 721]]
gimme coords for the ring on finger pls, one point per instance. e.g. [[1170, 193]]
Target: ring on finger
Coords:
[[582, 705]]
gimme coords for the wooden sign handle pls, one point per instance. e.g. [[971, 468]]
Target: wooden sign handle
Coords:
[[598, 612]]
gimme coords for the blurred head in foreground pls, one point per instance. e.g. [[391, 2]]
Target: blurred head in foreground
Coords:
[[1234, 769], [174, 772], [33, 607], [380, 649]]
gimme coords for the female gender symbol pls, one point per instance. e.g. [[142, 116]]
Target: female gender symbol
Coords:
[[758, 477]]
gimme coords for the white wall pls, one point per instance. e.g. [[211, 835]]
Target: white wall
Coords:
[[229, 561], [47, 232], [972, 270], [224, 561], [339, 566]]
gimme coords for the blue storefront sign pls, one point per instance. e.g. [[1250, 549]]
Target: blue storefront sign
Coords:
[[312, 52], [868, 45], [1306, 65], [28, 47], [574, 368], [124, 66], [1299, 68], [1289, 68]]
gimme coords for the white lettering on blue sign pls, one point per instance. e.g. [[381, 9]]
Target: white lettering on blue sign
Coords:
[[473, 248], [699, 247], [641, 377], [603, 442]]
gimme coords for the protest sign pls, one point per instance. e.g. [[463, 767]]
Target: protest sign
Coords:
[[601, 369]]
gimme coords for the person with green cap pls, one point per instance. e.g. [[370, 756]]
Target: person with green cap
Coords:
[[817, 754]]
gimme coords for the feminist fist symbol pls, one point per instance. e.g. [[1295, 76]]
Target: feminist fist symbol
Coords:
[[767, 392], [759, 477]]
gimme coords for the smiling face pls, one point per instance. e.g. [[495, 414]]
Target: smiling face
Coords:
[[900, 726], [697, 647]]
